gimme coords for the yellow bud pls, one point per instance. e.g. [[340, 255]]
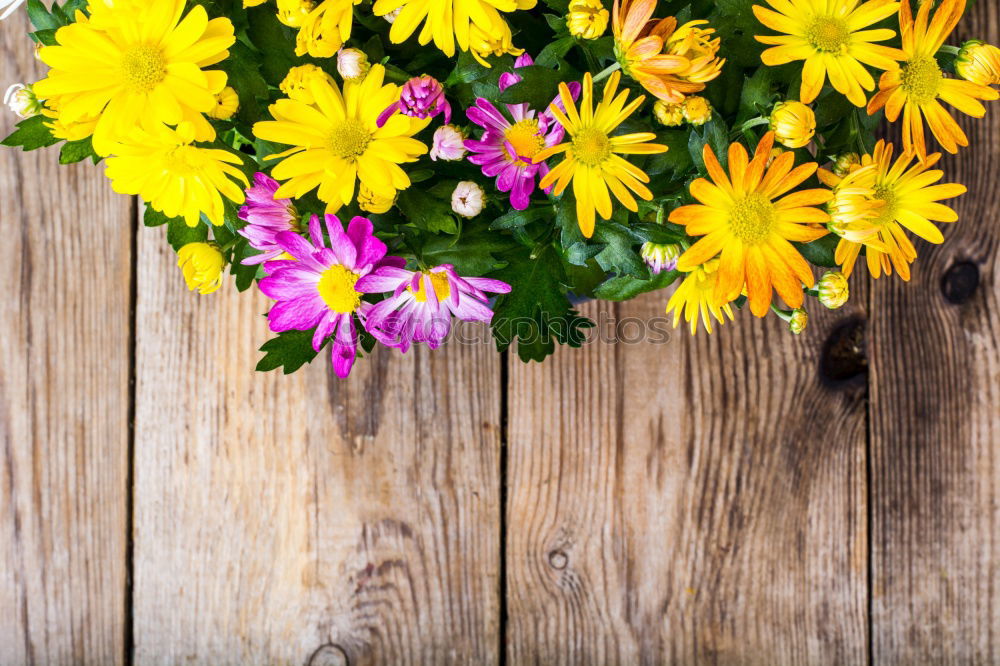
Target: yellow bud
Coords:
[[293, 13], [227, 103], [698, 45], [495, 42], [793, 124], [667, 114], [845, 163], [697, 110], [587, 19], [373, 203], [979, 62], [201, 264], [798, 321], [296, 82], [833, 290]]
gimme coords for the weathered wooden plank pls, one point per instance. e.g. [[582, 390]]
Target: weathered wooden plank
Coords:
[[64, 398], [304, 519], [935, 414], [698, 501]]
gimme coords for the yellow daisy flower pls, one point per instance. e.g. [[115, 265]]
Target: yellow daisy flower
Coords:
[[142, 62], [695, 298], [337, 141], [880, 198], [174, 176], [593, 159], [742, 217], [916, 87], [448, 22], [326, 28], [831, 37]]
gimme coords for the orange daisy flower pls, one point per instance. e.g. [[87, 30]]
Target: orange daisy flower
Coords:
[[668, 62], [748, 218], [915, 88]]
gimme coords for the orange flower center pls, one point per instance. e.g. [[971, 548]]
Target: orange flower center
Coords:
[[752, 219], [523, 136], [922, 79], [828, 34], [143, 68]]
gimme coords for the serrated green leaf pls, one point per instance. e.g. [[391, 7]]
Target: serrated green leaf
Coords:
[[821, 251], [289, 351], [624, 287], [76, 151], [31, 134]]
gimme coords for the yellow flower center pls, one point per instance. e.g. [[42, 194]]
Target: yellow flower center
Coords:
[[591, 146], [336, 288], [143, 67], [441, 288], [523, 136], [922, 79], [887, 213], [828, 34], [751, 219], [350, 139]]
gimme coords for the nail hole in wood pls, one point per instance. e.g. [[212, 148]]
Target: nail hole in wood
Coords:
[[960, 282], [558, 559], [328, 655], [844, 356]]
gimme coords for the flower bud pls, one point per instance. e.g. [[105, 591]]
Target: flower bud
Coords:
[[372, 203], [979, 62], [420, 97], [667, 114], [697, 110], [448, 144], [798, 321], [22, 101], [227, 103], [296, 83], [698, 45], [294, 12], [660, 257], [352, 64], [845, 163], [201, 264], [793, 124], [468, 199], [586, 19], [833, 290]]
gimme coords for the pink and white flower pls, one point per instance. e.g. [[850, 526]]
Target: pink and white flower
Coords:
[[317, 287], [422, 303], [512, 139], [420, 97], [266, 217]]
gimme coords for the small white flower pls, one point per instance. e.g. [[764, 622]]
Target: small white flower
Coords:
[[448, 144], [352, 64], [391, 16], [22, 101], [10, 6], [468, 198]]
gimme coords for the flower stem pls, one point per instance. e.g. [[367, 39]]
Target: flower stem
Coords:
[[951, 50], [753, 122], [607, 71]]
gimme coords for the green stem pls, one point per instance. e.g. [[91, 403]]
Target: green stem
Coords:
[[753, 122], [607, 71], [785, 315], [950, 50], [399, 76]]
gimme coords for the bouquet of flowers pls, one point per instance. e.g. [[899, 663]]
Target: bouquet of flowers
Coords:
[[379, 169]]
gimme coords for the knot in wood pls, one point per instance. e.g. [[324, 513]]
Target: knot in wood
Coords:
[[959, 283], [844, 356]]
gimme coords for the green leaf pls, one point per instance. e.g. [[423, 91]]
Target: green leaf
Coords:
[[757, 95], [76, 151], [519, 218], [289, 351], [31, 134], [820, 252], [180, 234], [153, 218], [40, 16], [715, 134], [426, 211], [619, 254], [474, 252], [624, 287], [538, 87], [243, 68]]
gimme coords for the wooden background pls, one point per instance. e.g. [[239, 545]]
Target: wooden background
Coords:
[[746, 498]]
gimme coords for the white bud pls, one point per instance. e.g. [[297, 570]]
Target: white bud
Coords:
[[448, 144], [22, 101], [352, 64], [468, 198]]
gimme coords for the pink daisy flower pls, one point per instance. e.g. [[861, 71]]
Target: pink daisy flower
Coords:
[[317, 287], [266, 217], [423, 303], [512, 139]]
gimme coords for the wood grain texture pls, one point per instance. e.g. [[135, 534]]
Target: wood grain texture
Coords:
[[935, 415], [304, 519], [64, 398], [698, 501]]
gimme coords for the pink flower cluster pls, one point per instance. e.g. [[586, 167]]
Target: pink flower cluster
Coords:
[[321, 283]]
